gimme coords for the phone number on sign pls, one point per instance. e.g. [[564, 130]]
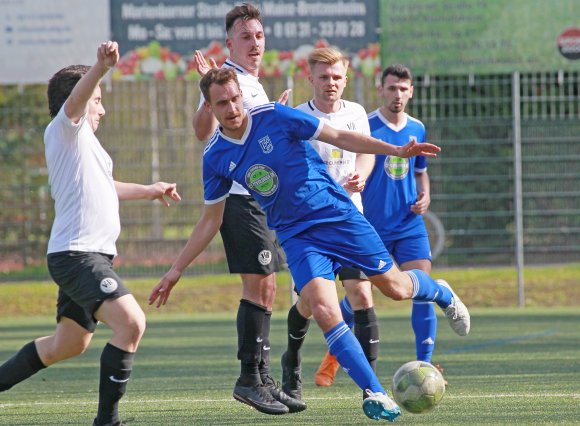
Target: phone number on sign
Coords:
[[323, 29]]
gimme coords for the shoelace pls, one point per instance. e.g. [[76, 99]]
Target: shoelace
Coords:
[[264, 393], [453, 308]]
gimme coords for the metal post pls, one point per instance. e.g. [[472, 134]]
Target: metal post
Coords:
[[518, 203], [154, 131]]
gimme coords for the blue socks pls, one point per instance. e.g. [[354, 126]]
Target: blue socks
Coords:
[[424, 322], [426, 289], [347, 313], [348, 352]]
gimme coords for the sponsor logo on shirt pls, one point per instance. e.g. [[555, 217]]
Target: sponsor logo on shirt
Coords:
[[396, 168], [262, 179]]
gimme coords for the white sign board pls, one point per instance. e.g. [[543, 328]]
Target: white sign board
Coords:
[[39, 37]]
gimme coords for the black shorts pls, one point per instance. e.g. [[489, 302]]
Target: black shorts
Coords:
[[84, 281], [351, 274], [251, 247]]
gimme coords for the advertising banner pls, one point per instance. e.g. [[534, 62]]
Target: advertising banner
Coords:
[[158, 37], [39, 37]]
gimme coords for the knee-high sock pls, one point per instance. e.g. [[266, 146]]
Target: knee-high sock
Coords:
[[426, 289], [347, 313], [297, 328], [366, 330], [348, 352], [21, 366], [424, 322], [249, 324], [264, 366], [116, 367]]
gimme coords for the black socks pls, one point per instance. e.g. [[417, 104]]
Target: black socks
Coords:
[[250, 323], [116, 366], [297, 328], [21, 366]]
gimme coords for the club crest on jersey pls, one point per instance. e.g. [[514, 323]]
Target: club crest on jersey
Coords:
[[108, 285], [396, 168], [266, 144], [265, 257], [262, 179]]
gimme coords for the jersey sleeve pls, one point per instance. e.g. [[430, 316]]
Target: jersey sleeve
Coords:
[[421, 162], [215, 187], [301, 125]]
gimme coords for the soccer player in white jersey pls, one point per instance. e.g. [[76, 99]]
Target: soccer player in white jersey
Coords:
[[267, 150], [328, 76], [252, 250], [82, 241]]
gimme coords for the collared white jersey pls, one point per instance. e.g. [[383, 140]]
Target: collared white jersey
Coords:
[[80, 175], [253, 93], [340, 163]]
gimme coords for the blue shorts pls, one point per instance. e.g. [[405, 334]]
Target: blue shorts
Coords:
[[322, 249], [413, 247]]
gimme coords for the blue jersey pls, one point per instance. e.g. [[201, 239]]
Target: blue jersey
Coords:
[[279, 167], [390, 190]]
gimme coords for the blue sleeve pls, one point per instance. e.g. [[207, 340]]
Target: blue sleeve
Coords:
[[215, 187], [421, 162], [300, 125]]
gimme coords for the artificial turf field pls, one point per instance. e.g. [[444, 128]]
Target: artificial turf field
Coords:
[[517, 366]]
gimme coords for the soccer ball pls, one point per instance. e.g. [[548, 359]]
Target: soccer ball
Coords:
[[418, 386]]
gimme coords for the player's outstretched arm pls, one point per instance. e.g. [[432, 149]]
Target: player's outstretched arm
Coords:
[[156, 191], [77, 102], [205, 229], [357, 142]]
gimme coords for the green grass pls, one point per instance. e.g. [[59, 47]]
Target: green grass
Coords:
[[517, 366], [554, 285]]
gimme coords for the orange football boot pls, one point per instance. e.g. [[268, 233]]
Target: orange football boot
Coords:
[[326, 373]]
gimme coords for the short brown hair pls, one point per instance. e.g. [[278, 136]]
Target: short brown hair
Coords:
[[220, 76], [399, 71], [326, 55], [61, 85], [245, 11]]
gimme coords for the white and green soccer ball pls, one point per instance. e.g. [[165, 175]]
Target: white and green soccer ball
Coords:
[[418, 386]]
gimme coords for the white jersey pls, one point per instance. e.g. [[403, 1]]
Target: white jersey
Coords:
[[80, 175], [340, 163], [253, 93]]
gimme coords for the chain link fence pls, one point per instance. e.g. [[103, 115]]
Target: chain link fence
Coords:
[[481, 122]]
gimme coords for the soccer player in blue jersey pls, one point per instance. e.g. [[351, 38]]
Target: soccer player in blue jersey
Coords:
[[252, 250], [267, 150], [328, 76], [396, 195]]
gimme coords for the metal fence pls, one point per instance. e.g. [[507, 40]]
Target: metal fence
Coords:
[[505, 187]]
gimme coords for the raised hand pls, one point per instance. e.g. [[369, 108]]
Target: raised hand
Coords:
[[108, 53], [201, 64]]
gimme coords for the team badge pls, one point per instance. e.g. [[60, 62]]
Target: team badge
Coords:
[[266, 144], [396, 168], [262, 179], [265, 257], [108, 285]]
